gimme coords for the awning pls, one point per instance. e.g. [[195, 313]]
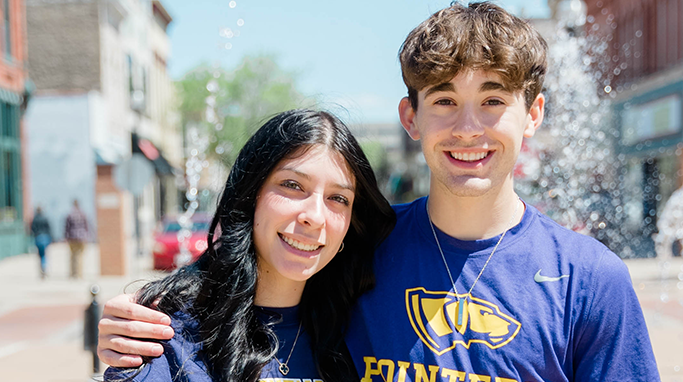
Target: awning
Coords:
[[11, 97], [151, 152]]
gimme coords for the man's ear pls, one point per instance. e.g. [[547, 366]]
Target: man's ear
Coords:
[[535, 116], [407, 115]]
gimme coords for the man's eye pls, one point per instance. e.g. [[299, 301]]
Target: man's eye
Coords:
[[444, 102], [494, 102], [291, 185]]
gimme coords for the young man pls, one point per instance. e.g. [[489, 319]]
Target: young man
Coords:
[[76, 234], [473, 284]]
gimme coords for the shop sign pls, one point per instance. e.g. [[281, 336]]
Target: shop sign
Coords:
[[651, 120]]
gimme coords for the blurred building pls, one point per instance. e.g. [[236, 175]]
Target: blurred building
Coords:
[[14, 91], [102, 95], [388, 136], [397, 160], [646, 60]]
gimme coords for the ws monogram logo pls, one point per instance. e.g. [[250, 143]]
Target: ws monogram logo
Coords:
[[433, 316]]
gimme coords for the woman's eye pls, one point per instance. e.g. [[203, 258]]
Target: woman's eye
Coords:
[[291, 185], [341, 199]]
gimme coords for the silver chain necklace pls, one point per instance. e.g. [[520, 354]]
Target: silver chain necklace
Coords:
[[284, 369], [461, 306]]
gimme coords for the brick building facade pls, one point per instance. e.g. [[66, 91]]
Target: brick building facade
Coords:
[[14, 88], [101, 87], [647, 35], [645, 40], [65, 50]]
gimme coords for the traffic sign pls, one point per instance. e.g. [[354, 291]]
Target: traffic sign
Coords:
[[133, 174]]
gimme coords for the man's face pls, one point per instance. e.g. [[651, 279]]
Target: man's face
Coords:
[[471, 129]]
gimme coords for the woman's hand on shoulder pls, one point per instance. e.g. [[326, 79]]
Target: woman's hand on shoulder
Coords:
[[126, 330]]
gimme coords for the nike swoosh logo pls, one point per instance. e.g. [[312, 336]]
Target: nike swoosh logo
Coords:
[[539, 278]]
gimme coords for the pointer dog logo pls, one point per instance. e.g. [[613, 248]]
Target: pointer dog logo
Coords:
[[433, 316]]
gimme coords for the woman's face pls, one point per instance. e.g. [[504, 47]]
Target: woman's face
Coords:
[[302, 214]]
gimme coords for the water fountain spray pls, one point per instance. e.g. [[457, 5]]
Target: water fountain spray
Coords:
[[576, 176], [198, 142]]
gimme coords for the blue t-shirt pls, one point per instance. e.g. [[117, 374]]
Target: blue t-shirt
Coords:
[[183, 360], [552, 305]]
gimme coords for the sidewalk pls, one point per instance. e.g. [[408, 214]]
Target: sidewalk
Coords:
[[659, 286], [41, 321]]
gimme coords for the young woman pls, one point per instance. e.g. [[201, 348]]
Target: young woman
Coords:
[[290, 250]]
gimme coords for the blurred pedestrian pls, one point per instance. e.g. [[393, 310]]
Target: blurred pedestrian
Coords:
[[76, 233], [40, 229], [670, 226]]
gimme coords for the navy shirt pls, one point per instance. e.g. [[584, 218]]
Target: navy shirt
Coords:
[[183, 359], [552, 305]]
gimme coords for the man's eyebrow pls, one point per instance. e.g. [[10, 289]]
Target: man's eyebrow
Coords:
[[308, 177], [493, 85], [443, 87]]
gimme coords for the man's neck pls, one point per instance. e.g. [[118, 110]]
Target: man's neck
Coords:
[[476, 217]]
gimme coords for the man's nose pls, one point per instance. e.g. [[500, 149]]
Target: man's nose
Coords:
[[467, 125]]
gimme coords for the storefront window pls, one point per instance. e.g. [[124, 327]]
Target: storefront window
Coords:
[[669, 173], [10, 166], [634, 195]]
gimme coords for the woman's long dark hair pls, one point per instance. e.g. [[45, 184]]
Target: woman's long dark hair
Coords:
[[219, 289]]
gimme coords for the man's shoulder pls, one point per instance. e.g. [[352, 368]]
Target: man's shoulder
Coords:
[[408, 219], [403, 208], [572, 247], [549, 227]]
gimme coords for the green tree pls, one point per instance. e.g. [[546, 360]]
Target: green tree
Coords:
[[242, 99]]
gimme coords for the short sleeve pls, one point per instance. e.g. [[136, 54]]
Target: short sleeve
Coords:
[[158, 370], [181, 360], [613, 343]]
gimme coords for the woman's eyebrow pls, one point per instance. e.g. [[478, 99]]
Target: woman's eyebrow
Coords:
[[308, 177], [290, 169]]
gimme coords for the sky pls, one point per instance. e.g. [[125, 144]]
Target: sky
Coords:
[[342, 53]]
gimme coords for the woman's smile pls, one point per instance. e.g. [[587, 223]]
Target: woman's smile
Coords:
[[298, 245]]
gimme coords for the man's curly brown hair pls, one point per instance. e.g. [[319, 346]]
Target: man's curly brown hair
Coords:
[[479, 36]]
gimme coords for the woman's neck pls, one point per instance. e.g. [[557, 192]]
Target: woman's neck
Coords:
[[275, 291]]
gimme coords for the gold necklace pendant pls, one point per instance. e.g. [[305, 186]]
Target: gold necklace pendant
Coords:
[[284, 369]]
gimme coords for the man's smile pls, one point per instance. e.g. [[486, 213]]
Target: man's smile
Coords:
[[469, 156]]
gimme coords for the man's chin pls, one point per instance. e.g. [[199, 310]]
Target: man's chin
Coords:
[[468, 187]]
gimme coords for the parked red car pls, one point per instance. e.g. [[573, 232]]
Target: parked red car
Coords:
[[166, 249]]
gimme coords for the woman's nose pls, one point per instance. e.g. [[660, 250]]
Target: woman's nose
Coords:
[[313, 214]]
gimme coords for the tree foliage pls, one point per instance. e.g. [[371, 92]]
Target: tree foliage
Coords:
[[230, 105]]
